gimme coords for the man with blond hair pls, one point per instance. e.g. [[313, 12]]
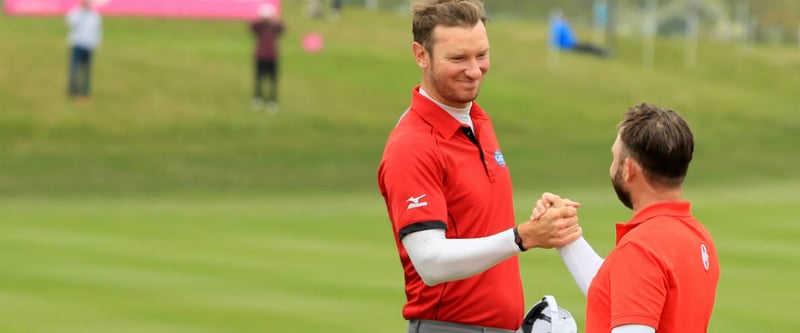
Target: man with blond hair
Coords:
[[447, 186]]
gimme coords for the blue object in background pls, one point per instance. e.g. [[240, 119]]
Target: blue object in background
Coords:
[[561, 36]]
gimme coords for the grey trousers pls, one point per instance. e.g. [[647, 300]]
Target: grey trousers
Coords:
[[434, 326]]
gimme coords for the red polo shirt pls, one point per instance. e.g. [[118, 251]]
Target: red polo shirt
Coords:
[[433, 176], [662, 273]]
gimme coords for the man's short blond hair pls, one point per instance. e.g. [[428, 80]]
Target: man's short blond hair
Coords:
[[428, 14]]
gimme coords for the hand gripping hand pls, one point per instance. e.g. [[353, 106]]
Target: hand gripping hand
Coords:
[[551, 200], [556, 227]]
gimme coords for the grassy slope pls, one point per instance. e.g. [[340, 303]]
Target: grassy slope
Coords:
[[170, 109]]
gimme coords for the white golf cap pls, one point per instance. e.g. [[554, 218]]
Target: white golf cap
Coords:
[[547, 317], [266, 10]]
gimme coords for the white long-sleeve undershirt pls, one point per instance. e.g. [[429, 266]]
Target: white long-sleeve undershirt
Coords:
[[633, 329], [438, 259], [581, 261]]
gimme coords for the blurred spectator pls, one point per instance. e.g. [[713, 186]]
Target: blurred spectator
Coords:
[[336, 9], [562, 37], [267, 31], [315, 8], [85, 33]]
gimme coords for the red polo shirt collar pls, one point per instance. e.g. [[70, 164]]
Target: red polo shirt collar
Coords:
[[443, 122], [667, 208]]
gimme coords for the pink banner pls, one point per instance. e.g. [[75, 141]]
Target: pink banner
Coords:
[[219, 9]]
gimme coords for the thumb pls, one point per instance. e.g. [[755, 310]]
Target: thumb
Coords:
[[569, 202], [567, 211]]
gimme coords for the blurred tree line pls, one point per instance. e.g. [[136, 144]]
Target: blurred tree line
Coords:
[[755, 20]]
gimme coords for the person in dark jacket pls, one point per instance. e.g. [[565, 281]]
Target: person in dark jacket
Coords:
[[267, 31]]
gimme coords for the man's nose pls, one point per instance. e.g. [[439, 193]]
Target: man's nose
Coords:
[[473, 70]]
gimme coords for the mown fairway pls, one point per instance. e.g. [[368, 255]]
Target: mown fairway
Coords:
[[310, 263], [167, 205]]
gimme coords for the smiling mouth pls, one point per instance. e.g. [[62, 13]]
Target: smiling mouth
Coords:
[[471, 87]]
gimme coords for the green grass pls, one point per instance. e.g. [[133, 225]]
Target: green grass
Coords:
[[170, 112], [166, 205], [310, 263]]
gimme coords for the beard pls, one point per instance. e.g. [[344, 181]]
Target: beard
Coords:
[[449, 93], [623, 194]]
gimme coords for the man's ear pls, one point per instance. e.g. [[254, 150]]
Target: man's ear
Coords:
[[631, 169], [421, 55]]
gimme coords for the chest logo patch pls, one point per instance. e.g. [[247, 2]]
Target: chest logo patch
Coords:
[[414, 202], [498, 157]]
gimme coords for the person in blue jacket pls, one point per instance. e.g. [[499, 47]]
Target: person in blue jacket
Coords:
[[562, 38]]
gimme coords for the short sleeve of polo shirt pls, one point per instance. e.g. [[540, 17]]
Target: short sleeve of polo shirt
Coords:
[[412, 176], [638, 287]]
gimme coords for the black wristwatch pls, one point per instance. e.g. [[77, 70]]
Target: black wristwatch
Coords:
[[518, 240]]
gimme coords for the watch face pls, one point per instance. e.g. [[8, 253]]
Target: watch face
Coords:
[[518, 240]]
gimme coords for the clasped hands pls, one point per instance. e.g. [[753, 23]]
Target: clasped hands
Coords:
[[553, 223]]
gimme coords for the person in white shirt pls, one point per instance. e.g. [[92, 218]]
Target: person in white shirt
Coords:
[[85, 33]]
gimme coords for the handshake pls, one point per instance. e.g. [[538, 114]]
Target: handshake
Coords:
[[553, 223]]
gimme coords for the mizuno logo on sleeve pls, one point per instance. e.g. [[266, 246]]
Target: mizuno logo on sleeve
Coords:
[[413, 202]]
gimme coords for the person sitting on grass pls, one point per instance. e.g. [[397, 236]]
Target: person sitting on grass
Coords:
[[562, 38]]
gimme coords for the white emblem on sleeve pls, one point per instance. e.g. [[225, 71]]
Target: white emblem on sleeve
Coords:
[[413, 202], [704, 255]]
